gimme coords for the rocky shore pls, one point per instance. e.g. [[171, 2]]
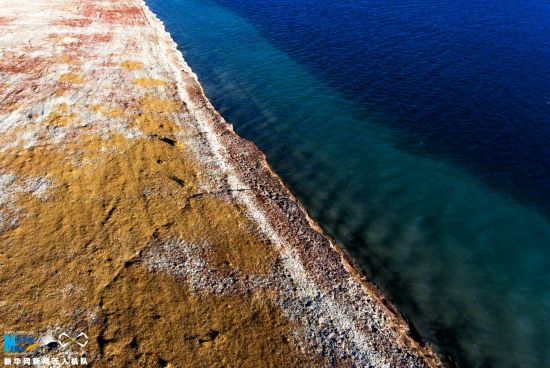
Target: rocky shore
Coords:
[[131, 211]]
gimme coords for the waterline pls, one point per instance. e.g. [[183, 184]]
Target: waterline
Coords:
[[466, 264]]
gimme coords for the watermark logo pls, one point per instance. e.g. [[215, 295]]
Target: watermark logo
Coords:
[[18, 342], [45, 361], [65, 340], [24, 349]]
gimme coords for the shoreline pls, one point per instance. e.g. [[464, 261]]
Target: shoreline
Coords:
[[278, 186], [326, 305]]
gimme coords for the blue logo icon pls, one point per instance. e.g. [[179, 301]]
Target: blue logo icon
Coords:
[[17, 343]]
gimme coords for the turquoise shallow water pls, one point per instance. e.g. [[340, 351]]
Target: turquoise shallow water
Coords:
[[467, 264]]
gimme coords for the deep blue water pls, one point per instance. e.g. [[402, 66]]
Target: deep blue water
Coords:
[[417, 133]]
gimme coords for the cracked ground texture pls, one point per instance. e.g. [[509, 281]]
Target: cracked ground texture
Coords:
[[129, 209]]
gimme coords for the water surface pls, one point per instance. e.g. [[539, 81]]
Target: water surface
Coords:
[[417, 134]]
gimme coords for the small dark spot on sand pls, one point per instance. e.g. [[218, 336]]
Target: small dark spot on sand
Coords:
[[168, 140], [210, 336], [134, 344], [181, 182], [52, 345]]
